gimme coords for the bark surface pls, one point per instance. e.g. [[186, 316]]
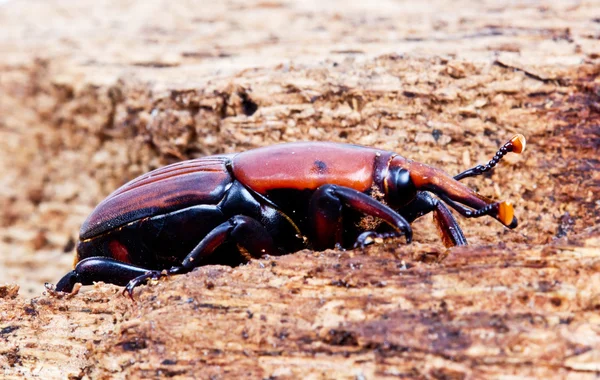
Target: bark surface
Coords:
[[93, 94]]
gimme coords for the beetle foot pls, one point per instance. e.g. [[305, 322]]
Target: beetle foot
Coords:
[[143, 279], [369, 237], [67, 283], [68, 293]]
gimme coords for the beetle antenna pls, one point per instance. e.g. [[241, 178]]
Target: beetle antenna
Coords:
[[516, 145]]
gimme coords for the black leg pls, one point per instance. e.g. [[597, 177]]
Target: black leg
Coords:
[[249, 234], [448, 227], [95, 269], [325, 210]]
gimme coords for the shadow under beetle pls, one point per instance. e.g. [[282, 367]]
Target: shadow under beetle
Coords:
[[227, 209]]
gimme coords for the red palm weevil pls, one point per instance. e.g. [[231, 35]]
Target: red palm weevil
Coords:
[[227, 209]]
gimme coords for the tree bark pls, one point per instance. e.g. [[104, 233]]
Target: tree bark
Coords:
[[93, 94]]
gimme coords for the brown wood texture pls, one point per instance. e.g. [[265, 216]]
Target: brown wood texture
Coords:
[[93, 94]]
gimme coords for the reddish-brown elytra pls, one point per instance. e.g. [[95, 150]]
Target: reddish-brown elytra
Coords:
[[269, 201]]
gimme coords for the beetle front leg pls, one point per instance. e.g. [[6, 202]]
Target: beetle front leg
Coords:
[[249, 234], [94, 269], [325, 210], [448, 227]]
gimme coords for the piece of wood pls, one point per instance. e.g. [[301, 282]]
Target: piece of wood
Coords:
[[129, 87]]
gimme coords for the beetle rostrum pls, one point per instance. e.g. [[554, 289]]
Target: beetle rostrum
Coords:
[[228, 209]]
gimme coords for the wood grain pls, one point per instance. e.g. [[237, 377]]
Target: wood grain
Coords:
[[96, 93]]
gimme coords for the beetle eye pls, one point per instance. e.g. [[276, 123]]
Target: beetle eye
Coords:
[[401, 188]]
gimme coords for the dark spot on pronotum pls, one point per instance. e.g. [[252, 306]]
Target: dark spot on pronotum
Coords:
[[320, 167], [248, 105]]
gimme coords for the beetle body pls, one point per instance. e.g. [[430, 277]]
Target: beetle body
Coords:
[[155, 220], [227, 209]]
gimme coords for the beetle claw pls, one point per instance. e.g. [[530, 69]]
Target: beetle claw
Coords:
[[368, 237], [364, 239], [141, 280], [129, 291]]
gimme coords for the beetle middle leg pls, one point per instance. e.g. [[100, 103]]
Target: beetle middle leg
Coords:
[[325, 211], [249, 234]]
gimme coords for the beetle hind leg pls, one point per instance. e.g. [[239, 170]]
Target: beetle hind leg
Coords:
[[94, 269], [252, 238]]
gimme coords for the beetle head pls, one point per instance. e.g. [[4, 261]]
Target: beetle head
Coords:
[[399, 187], [460, 197], [406, 178]]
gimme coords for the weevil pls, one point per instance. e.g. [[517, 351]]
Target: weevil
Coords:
[[227, 209]]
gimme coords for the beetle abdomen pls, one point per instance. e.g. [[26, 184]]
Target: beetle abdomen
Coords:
[[170, 188], [307, 165]]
